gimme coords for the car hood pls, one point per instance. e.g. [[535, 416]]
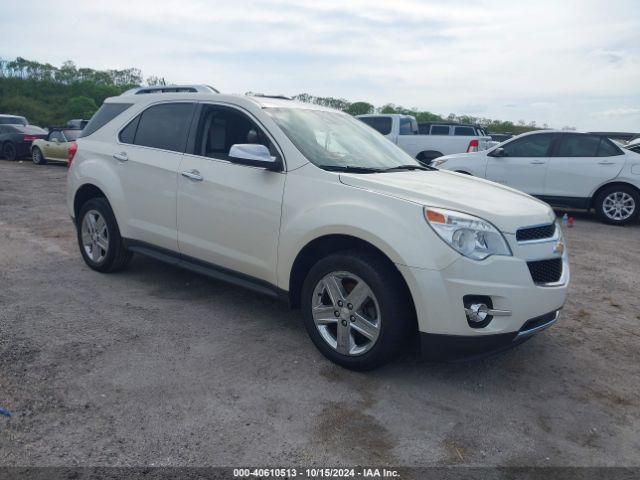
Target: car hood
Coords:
[[506, 208], [478, 155]]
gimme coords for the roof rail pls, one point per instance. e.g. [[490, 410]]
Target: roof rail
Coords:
[[172, 89], [262, 95]]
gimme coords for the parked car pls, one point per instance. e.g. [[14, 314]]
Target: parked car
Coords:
[[55, 146], [568, 170], [310, 205], [13, 120], [443, 139], [16, 138], [634, 145]]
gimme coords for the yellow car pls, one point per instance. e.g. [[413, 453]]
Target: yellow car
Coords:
[[55, 146]]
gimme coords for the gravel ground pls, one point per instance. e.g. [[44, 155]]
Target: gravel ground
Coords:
[[158, 366]]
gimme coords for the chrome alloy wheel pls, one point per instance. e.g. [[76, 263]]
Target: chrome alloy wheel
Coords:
[[95, 236], [36, 156], [346, 313], [618, 206]]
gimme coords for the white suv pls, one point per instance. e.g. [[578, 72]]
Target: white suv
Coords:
[[565, 169], [311, 205]]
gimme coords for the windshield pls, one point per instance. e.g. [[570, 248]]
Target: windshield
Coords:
[[331, 139], [13, 121], [72, 135]]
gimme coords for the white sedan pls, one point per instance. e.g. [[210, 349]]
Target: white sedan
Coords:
[[565, 169]]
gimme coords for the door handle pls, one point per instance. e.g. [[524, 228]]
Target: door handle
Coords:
[[537, 162], [192, 175], [121, 157], [606, 163]]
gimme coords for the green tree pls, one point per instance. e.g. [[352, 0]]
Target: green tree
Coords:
[[360, 108], [80, 107]]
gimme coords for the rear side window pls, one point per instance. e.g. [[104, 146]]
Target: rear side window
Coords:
[[381, 124], [578, 146], [607, 148], [464, 131], [439, 130], [162, 126], [106, 113]]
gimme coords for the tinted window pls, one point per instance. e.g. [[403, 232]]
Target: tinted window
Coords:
[[106, 113], [13, 120], [464, 131], [381, 124], [405, 126], [220, 128], [529, 146], [71, 135], [128, 133], [423, 129], [578, 146], [439, 130], [164, 126], [607, 148]]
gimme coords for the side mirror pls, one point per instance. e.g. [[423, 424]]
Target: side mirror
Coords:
[[499, 152], [253, 155]]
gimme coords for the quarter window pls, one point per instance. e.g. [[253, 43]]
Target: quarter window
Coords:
[[381, 124], [106, 113], [607, 148], [162, 126], [530, 146]]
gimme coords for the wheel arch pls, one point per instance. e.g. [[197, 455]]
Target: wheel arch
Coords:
[[85, 193], [429, 155], [601, 188], [322, 246]]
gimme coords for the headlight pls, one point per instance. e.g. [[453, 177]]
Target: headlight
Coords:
[[471, 236], [437, 162]]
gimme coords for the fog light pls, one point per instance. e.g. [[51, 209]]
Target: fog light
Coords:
[[477, 312]]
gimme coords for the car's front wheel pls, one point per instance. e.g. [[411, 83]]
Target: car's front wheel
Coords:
[[37, 157], [99, 238], [357, 310], [618, 205]]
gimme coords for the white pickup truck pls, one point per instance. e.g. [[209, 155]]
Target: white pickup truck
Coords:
[[444, 139]]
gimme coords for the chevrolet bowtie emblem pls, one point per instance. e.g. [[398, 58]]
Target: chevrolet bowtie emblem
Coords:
[[559, 248]]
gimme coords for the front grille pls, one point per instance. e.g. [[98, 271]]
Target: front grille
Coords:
[[536, 233], [546, 271]]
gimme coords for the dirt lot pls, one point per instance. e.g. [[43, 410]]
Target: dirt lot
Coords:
[[157, 366]]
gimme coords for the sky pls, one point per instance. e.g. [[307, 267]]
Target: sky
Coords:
[[560, 63]]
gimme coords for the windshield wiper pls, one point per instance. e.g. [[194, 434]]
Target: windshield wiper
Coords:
[[350, 169], [400, 168]]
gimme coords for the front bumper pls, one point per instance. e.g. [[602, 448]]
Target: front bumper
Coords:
[[438, 297], [456, 347]]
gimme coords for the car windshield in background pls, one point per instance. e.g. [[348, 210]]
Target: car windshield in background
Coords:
[[335, 140], [13, 121], [72, 135]]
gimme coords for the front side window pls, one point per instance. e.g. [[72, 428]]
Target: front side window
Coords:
[[529, 146], [464, 131], [381, 124], [56, 136], [578, 146], [163, 126], [337, 140], [439, 130], [219, 128]]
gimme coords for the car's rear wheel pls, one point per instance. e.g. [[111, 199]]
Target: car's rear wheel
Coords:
[[9, 151], [37, 157], [99, 238], [357, 310], [618, 205]]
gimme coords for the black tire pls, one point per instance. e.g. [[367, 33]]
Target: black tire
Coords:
[[9, 151], [117, 256], [38, 157], [624, 191], [463, 172], [395, 303], [425, 158]]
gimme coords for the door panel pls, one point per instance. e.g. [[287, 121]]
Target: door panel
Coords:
[[230, 218], [524, 164], [576, 170], [229, 214]]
